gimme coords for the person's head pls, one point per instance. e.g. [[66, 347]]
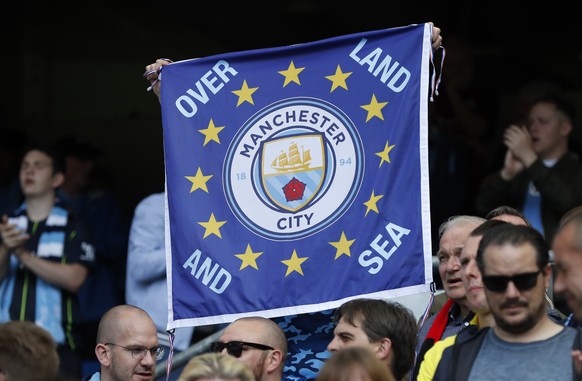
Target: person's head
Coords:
[[550, 124], [508, 214], [567, 248], [386, 328], [470, 274], [258, 342], [528, 93], [453, 234], [127, 344], [354, 364], [27, 353], [41, 171], [215, 367], [80, 157], [513, 261]]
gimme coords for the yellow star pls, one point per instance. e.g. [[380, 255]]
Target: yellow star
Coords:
[[199, 181], [342, 246], [338, 79], [371, 203], [245, 94], [294, 263], [384, 154], [291, 74], [374, 108], [212, 226], [211, 133], [248, 258]]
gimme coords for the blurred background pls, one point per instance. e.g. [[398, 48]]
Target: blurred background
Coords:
[[77, 67]]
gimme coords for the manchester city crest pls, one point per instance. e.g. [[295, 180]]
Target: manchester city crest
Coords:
[[293, 168]]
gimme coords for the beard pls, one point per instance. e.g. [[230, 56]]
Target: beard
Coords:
[[523, 325]]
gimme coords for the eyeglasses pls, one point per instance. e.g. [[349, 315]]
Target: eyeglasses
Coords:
[[234, 348], [138, 353], [523, 282]]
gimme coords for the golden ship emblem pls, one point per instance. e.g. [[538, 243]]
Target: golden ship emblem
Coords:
[[296, 158]]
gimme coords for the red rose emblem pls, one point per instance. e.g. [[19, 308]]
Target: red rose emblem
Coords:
[[294, 190]]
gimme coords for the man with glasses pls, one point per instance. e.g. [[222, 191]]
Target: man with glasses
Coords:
[[259, 343], [127, 345], [514, 263]]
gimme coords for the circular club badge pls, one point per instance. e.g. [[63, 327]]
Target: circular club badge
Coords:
[[293, 168]]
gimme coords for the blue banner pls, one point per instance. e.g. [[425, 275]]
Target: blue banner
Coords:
[[297, 177]]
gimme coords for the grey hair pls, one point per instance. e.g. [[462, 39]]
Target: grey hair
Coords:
[[460, 219]]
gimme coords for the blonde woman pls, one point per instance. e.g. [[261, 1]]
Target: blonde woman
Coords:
[[216, 367]]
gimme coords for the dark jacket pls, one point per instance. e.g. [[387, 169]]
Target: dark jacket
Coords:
[[560, 187]]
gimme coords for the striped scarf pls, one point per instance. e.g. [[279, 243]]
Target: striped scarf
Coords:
[[48, 303]]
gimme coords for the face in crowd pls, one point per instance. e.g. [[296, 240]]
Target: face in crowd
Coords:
[[567, 250], [514, 265], [257, 342]]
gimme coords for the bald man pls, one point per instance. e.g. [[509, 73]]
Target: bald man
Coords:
[[258, 342], [127, 345]]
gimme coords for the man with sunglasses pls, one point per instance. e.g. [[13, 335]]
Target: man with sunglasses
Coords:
[[476, 300], [259, 343], [514, 263], [127, 345]]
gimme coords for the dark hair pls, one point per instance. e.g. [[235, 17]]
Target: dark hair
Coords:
[[506, 210], [561, 103], [485, 226], [385, 319], [58, 160], [515, 235]]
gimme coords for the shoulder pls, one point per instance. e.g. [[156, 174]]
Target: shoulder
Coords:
[[470, 333], [471, 336], [432, 358], [155, 200], [94, 377], [571, 160], [463, 351], [436, 351]]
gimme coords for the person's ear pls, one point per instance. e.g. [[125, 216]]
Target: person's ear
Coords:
[[566, 128], [274, 360], [58, 179], [547, 276], [103, 354], [384, 348]]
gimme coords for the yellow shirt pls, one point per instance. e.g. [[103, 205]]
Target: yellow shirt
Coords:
[[433, 355]]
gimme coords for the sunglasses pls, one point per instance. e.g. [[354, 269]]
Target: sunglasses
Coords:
[[523, 282], [235, 348]]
